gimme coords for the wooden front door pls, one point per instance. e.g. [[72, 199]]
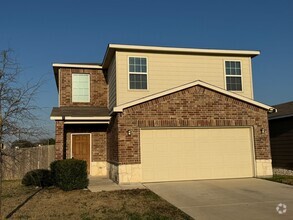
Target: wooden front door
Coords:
[[81, 148]]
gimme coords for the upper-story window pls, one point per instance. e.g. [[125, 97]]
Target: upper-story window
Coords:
[[138, 73], [80, 87], [233, 75]]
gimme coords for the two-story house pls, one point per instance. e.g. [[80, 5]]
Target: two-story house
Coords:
[[148, 114]]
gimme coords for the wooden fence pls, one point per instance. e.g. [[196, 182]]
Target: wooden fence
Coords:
[[23, 160]]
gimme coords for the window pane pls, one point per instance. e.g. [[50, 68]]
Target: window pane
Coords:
[[132, 85], [131, 68], [143, 61], [131, 60], [137, 60], [132, 77], [144, 81], [232, 68], [144, 77], [237, 65], [80, 88], [234, 83], [137, 81], [233, 65], [237, 72], [144, 85], [137, 68], [137, 65], [143, 69]]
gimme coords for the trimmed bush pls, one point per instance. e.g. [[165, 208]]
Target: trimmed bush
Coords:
[[69, 174], [38, 177]]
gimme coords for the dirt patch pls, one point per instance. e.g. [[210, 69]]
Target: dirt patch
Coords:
[[53, 203]]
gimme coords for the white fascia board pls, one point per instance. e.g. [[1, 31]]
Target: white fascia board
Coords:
[[88, 66], [86, 122], [87, 118], [54, 118], [105, 118], [185, 50], [188, 85]]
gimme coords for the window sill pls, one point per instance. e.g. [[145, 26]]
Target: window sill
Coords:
[[236, 91], [138, 90]]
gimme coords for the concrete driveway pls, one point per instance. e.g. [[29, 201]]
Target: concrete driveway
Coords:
[[228, 199]]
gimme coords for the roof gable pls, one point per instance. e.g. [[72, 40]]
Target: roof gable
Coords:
[[120, 108]]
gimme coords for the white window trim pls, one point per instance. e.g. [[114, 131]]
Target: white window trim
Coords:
[[239, 76], [145, 73], [89, 84], [90, 146]]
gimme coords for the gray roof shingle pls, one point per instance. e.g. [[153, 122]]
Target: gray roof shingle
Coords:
[[283, 110], [83, 111]]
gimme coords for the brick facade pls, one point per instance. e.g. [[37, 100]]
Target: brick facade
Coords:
[[98, 89], [59, 144], [196, 106], [98, 93], [112, 137], [193, 107]]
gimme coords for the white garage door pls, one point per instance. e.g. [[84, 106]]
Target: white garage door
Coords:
[[190, 154]]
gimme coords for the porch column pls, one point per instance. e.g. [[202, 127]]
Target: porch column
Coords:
[[59, 142]]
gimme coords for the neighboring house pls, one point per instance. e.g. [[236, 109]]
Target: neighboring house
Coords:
[[281, 134], [150, 114]]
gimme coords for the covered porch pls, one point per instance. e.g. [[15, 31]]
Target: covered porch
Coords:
[[81, 133]]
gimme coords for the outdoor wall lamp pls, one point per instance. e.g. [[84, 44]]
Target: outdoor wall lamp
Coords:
[[262, 130], [129, 132]]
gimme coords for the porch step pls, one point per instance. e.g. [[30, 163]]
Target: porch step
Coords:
[[103, 183]]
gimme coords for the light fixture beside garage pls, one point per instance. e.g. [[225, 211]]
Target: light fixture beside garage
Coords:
[[262, 130], [129, 132]]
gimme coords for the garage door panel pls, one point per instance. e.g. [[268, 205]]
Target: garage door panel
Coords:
[[186, 154]]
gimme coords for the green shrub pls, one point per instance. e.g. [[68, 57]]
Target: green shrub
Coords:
[[70, 174], [38, 177]]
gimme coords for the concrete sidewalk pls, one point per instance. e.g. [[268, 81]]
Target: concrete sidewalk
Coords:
[[103, 183]]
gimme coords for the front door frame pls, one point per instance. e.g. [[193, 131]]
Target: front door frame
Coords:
[[71, 141]]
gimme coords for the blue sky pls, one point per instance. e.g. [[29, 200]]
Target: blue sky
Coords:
[[43, 32]]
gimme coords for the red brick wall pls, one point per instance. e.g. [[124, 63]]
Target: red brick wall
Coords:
[[99, 146], [98, 90], [59, 133], [193, 107], [112, 137]]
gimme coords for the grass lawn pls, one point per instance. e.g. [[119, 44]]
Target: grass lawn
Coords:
[[53, 203], [282, 179]]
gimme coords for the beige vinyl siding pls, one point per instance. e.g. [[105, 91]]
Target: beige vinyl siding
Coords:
[[112, 83], [166, 71]]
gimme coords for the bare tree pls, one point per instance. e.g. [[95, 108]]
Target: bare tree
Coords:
[[17, 105]]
